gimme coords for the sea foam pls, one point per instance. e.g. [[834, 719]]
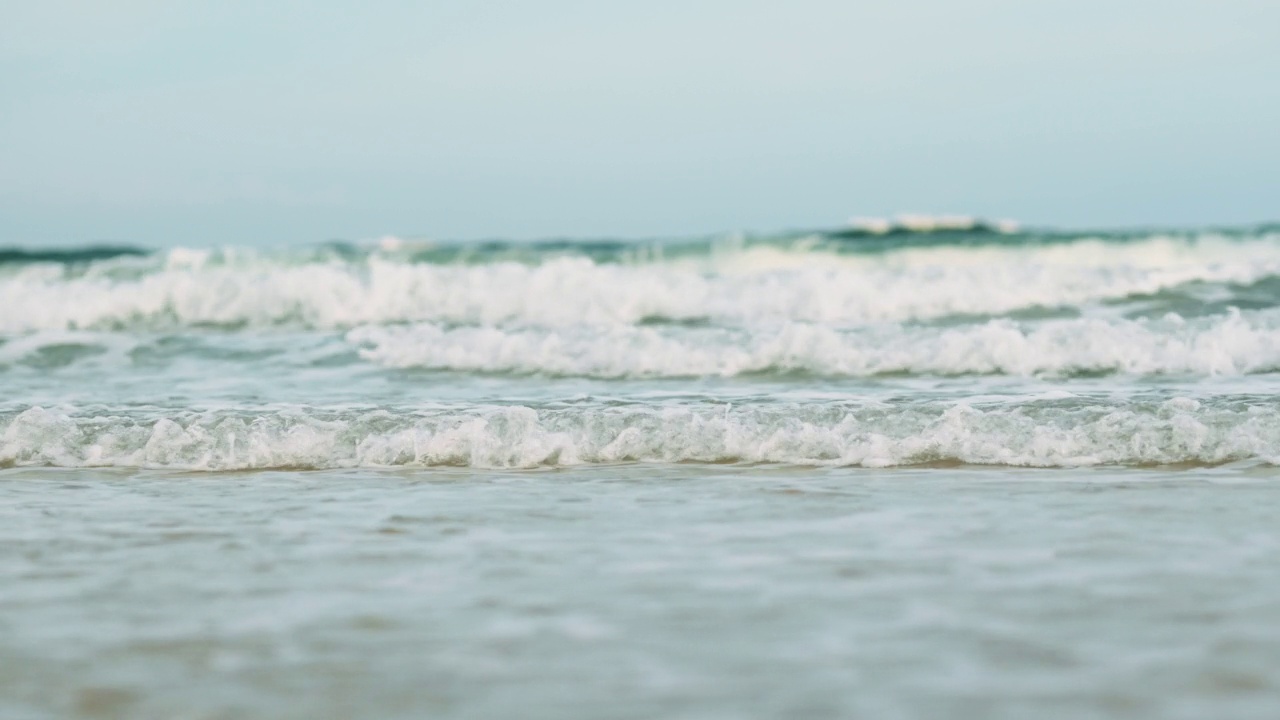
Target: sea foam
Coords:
[[1229, 344], [740, 286], [1049, 433]]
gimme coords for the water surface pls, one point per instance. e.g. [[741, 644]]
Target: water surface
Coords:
[[949, 474]]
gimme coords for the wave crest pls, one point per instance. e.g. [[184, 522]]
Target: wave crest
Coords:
[[1231, 344], [1064, 433], [732, 287]]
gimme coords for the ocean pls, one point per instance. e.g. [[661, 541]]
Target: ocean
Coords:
[[888, 472]]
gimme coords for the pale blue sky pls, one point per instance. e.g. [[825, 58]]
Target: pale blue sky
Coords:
[[282, 122]]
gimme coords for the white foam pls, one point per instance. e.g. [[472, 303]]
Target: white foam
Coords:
[[744, 286], [1040, 434], [1230, 344]]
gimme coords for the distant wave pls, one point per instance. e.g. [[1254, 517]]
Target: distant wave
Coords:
[[1230, 344], [1052, 433], [66, 256], [862, 236], [729, 285]]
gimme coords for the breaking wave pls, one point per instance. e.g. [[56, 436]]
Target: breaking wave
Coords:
[[1066, 432], [1231, 344], [728, 285]]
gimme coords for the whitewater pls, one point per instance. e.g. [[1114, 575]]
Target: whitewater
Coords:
[[807, 349], [934, 469]]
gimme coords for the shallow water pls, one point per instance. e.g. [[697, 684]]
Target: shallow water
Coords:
[[641, 591], [978, 474]]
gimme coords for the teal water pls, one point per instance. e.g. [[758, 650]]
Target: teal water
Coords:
[[974, 473]]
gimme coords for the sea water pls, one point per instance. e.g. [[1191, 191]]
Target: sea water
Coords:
[[938, 474]]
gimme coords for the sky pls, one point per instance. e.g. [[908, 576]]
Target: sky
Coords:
[[199, 123]]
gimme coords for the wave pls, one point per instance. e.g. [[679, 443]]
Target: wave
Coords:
[[1068, 432], [727, 285], [1230, 344], [1233, 344], [68, 256]]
